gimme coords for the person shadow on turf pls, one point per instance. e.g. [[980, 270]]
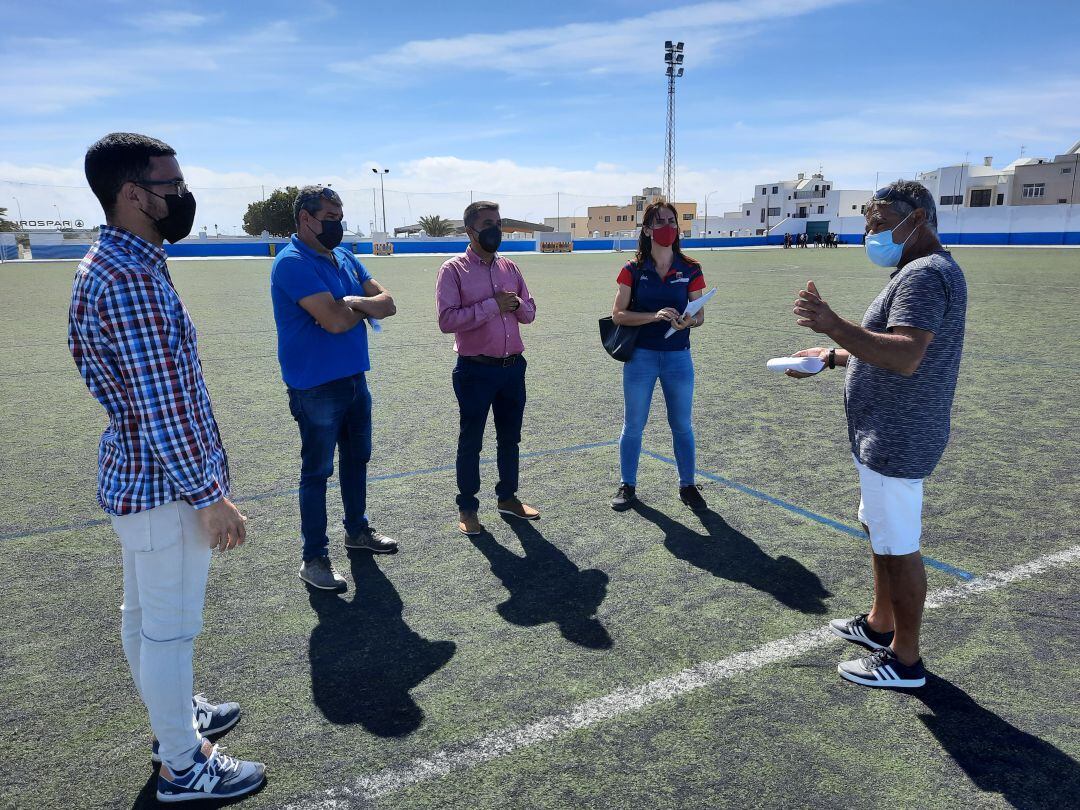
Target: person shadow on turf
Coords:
[[730, 554], [1028, 772], [365, 659], [545, 586]]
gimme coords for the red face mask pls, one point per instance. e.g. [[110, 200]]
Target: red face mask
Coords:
[[665, 236]]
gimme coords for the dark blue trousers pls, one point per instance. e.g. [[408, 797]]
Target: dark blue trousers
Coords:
[[480, 389], [333, 415]]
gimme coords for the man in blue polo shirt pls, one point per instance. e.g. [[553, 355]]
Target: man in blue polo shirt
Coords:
[[322, 297]]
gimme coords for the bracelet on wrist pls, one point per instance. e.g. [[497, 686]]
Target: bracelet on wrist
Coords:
[[832, 358]]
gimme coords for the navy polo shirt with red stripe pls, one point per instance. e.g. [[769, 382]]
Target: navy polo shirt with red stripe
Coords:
[[654, 293]]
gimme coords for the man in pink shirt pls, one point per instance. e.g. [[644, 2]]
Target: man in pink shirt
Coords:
[[482, 298]]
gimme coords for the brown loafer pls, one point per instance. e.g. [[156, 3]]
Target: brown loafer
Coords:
[[515, 508], [469, 524]]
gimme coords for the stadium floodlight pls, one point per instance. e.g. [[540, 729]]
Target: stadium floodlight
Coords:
[[382, 189], [673, 56]]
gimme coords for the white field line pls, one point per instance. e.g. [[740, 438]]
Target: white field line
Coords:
[[630, 699]]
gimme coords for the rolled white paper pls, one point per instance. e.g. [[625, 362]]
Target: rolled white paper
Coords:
[[807, 365]]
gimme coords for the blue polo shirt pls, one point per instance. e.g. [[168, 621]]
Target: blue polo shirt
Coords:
[[309, 355], [654, 293]]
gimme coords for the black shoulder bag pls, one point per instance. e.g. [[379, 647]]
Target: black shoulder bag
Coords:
[[619, 339]]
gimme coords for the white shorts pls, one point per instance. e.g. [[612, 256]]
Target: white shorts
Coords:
[[892, 509]]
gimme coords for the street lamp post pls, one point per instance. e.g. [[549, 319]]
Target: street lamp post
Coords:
[[59, 218], [707, 213], [18, 205], [382, 190]]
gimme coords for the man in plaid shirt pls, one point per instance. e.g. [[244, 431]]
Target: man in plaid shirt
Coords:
[[163, 475]]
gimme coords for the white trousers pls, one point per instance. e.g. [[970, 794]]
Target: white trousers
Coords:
[[166, 561]]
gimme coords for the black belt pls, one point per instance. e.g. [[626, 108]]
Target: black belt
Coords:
[[484, 359]]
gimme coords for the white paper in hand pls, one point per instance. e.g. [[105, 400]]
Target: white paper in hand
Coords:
[[693, 308], [807, 365]]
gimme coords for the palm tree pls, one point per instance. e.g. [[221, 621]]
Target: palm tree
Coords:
[[434, 225]]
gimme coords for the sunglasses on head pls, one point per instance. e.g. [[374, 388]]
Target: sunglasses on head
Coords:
[[327, 194], [889, 194]]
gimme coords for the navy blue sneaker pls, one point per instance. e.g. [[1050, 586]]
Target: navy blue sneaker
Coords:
[[211, 720], [882, 668], [213, 776], [860, 631]]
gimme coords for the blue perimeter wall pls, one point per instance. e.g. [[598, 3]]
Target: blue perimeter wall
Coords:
[[403, 246]]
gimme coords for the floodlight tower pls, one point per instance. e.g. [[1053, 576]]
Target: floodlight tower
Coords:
[[673, 59]]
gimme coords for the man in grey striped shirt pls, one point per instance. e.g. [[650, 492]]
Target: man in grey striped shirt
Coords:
[[902, 364]]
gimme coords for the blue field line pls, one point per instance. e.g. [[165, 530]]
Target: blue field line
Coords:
[[952, 570], [277, 493]]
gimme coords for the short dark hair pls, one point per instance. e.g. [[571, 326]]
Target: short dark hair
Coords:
[[118, 158], [472, 210], [310, 198], [904, 196]]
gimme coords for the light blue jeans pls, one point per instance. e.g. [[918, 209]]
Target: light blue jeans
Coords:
[[166, 558], [675, 370]]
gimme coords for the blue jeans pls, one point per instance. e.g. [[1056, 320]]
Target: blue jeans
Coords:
[[479, 389], [334, 414], [675, 370]]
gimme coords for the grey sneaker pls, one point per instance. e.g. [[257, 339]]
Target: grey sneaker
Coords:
[[319, 573], [373, 541]]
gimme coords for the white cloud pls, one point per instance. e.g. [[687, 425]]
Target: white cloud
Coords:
[[50, 75], [628, 44], [169, 21]]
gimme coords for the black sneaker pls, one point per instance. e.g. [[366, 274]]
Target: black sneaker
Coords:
[[860, 631], [373, 541], [624, 496], [691, 496], [211, 721], [319, 573], [882, 668]]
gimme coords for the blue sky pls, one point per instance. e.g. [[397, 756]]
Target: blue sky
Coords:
[[520, 100]]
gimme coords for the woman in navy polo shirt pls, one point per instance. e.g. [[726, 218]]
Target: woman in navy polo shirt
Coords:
[[666, 281]]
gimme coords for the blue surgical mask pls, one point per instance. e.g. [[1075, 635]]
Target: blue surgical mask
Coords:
[[882, 250]]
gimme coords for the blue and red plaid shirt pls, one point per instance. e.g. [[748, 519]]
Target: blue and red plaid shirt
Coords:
[[135, 346]]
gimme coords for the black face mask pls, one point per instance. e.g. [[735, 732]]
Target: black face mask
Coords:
[[180, 216], [490, 238], [332, 233]]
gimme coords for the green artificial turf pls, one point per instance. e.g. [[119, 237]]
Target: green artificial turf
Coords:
[[453, 639]]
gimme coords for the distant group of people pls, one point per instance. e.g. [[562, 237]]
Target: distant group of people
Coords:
[[829, 240], [164, 475]]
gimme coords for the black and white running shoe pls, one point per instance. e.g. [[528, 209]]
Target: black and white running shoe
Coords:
[[860, 631], [882, 668], [211, 720]]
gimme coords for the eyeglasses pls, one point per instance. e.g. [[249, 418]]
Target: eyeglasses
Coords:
[[179, 186]]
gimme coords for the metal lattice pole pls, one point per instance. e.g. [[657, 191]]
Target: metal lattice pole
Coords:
[[673, 59], [669, 152]]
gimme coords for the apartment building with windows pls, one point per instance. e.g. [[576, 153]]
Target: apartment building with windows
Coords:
[[1048, 182], [624, 220]]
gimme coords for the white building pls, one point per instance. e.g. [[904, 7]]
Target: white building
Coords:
[[805, 204], [970, 185]]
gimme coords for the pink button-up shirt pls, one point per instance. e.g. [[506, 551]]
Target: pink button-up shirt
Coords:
[[465, 299]]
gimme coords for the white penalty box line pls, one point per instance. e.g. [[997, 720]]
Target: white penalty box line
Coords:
[[629, 699]]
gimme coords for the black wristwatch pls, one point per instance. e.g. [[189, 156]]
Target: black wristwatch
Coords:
[[832, 358]]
